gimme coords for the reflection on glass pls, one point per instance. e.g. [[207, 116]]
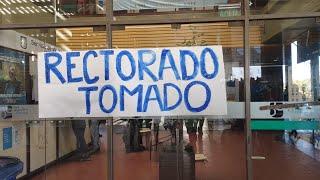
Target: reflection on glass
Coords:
[[221, 8], [81, 7], [49, 11], [69, 146], [229, 35], [285, 107], [280, 6], [12, 149], [185, 147], [27, 11], [12, 77]]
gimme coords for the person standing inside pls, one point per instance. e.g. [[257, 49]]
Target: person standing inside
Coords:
[[94, 129], [79, 127]]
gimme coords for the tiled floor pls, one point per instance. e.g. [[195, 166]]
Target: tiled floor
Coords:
[[225, 151]]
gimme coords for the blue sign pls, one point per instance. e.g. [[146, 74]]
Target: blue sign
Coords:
[[7, 138]]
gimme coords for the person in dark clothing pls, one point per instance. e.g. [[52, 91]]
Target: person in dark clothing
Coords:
[[94, 130], [200, 125], [132, 137], [194, 125], [79, 127]]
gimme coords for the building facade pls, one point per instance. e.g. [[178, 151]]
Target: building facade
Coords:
[[271, 58]]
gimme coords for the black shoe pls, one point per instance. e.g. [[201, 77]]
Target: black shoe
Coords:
[[85, 159], [93, 151]]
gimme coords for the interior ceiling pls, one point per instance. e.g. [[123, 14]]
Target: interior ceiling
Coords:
[[302, 29], [307, 32], [284, 6]]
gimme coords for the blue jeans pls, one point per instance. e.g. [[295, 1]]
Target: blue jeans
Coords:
[[94, 129]]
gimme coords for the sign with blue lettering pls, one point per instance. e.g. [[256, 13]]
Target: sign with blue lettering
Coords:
[[7, 138], [132, 82]]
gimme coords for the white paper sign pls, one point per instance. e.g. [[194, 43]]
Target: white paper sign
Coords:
[[132, 82]]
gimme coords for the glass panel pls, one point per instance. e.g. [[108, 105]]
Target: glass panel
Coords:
[[13, 146], [221, 8], [12, 76], [26, 11], [284, 95], [164, 147], [80, 143], [50, 11], [38, 144], [281, 6], [49, 148], [15, 138]]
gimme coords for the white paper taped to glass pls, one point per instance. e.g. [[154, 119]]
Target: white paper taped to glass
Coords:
[[178, 81]]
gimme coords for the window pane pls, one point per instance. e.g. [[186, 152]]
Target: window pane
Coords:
[[13, 146], [49, 11], [12, 76], [66, 146], [219, 140], [285, 73], [281, 6], [28, 11], [221, 8]]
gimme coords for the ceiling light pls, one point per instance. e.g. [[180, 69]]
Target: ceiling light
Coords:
[[43, 10], [61, 35], [60, 16], [8, 2], [101, 8], [64, 47], [36, 9], [50, 10], [26, 11], [20, 11], [67, 31], [6, 11], [31, 10], [32, 57]]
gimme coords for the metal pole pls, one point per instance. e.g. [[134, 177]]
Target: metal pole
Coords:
[[110, 149], [109, 17], [247, 92]]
